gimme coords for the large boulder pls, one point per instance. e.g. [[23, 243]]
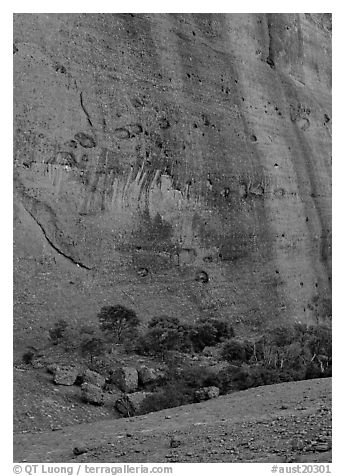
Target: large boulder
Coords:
[[126, 378], [131, 404], [92, 394], [206, 393], [65, 375], [89, 376], [147, 375]]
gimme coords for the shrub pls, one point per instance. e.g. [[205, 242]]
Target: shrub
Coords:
[[118, 321], [168, 397], [164, 334], [280, 336], [181, 388], [235, 351], [209, 332]]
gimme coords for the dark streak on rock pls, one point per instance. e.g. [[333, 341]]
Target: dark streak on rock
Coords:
[[270, 56], [85, 111], [69, 258]]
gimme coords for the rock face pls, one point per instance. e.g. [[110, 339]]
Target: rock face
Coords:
[[194, 146]]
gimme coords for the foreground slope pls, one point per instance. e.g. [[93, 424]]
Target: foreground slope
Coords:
[[175, 143], [285, 422]]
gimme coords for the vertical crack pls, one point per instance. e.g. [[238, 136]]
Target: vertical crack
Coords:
[[84, 109], [270, 57], [55, 248]]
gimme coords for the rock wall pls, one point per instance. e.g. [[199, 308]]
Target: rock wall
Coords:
[[176, 143]]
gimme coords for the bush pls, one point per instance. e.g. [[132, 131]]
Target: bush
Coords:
[[168, 397], [235, 351], [181, 388], [209, 332], [164, 334], [118, 321]]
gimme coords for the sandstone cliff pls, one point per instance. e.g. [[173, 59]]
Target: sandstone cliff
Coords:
[[177, 144]]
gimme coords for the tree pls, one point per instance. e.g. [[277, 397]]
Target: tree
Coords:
[[92, 347], [117, 321]]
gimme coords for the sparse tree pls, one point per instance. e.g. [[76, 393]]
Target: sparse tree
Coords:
[[92, 347], [117, 321]]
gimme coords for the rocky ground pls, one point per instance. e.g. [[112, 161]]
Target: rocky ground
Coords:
[[288, 422]]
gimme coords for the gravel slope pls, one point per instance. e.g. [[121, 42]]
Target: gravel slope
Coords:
[[286, 422]]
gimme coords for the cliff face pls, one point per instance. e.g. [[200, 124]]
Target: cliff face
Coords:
[[174, 144]]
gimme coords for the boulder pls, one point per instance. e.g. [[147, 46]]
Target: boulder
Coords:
[[89, 376], [148, 375], [131, 404], [79, 450], [206, 393], [92, 394], [126, 378], [65, 375]]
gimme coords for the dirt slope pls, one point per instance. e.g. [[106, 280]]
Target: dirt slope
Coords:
[[285, 422]]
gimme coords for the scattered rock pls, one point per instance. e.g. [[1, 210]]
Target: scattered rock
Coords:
[[297, 444], [15, 49], [142, 272], [94, 378], [79, 450], [59, 68], [92, 394], [321, 447], [126, 378], [201, 277], [175, 443], [65, 375], [85, 140], [37, 363], [206, 393]]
